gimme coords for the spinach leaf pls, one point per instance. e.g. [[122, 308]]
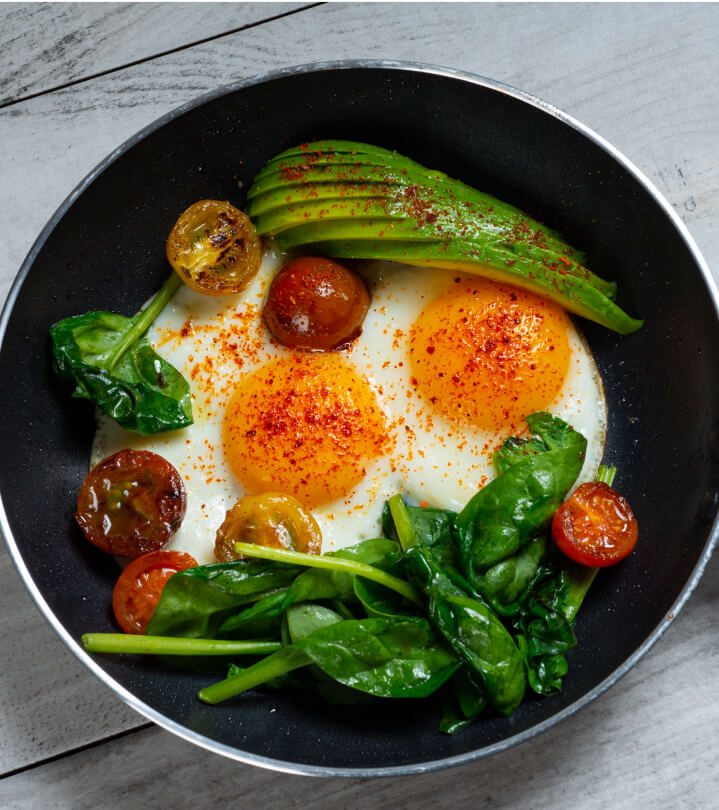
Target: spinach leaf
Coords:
[[304, 619], [195, 602], [433, 529], [473, 631], [544, 631], [113, 365], [316, 584], [378, 600], [503, 584], [545, 617], [465, 701], [387, 657], [500, 519], [515, 449], [469, 625]]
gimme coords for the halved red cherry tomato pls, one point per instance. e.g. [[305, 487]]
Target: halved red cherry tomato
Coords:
[[317, 304], [214, 248], [140, 585], [131, 503], [595, 526]]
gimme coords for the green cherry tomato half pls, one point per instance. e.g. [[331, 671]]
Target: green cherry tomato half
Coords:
[[214, 248], [270, 519]]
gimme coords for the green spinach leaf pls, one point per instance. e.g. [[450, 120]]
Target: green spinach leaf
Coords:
[[501, 518], [544, 631], [195, 602], [469, 626], [387, 657], [113, 365], [465, 701]]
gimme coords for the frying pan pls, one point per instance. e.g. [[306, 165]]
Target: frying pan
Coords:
[[104, 249]]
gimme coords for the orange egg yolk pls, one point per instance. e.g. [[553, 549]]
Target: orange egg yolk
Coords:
[[305, 425], [487, 355]]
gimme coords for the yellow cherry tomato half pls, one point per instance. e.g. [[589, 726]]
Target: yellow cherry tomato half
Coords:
[[214, 248], [272, 520]]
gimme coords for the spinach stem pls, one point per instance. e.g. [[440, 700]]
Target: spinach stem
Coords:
[[144, 318], [605, 475], [169, 645], [402, 522], [401, 586], [581, 578], [280, 663]]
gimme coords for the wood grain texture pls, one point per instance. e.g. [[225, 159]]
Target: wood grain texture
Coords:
[[45, 45], [58, 702], [55, 139], [640, 75], [649, 742]]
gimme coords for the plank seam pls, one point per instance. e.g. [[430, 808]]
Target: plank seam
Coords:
[[161, 54], [77, 750]]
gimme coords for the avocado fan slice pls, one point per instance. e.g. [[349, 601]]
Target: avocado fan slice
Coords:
[[352, 200]]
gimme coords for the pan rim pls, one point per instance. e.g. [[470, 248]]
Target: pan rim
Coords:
[[324, 771]]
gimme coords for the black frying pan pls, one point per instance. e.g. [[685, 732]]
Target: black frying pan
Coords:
[[104, 249]]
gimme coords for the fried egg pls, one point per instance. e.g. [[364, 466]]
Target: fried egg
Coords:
[[446, 367]]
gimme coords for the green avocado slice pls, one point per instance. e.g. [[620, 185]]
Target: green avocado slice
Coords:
[[416, 195], [572, 293], [353, 200], [337, 224]]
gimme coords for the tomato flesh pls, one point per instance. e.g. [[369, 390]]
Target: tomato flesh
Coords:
[[595, 526], [316, 304], [131, 503], [270, 519], [140, 586], [214, 248]]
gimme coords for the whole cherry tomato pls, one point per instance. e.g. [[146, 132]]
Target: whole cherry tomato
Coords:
[[131, 503], [317, 304], [140, 586], [595, 526], [214, 248], [270, 519]]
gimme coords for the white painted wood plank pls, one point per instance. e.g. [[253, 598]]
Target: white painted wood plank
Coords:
[[45, 45], [48, 700], [54, 140], [640, 75], [649, 742]]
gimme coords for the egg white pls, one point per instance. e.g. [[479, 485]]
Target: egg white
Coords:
[[213, 342]]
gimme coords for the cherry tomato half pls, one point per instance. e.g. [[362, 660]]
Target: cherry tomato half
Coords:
[[270, 519], [317, 304], [595, 526], [214, 248], [140, 585], [131, 503]]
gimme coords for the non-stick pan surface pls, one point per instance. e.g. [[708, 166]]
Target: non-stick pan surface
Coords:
[[104, 250]]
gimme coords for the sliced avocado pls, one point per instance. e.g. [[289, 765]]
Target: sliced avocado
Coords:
[[417, 194], [290, 195], [356, 200], [574, 294], [338, 223]]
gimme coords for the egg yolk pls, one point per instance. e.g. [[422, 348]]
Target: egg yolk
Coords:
[[304, 425], [487, 355]]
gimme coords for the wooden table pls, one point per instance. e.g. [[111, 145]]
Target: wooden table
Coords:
[[76, 81]]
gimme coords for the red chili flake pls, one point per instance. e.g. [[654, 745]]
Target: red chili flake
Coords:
[[293, 172]]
